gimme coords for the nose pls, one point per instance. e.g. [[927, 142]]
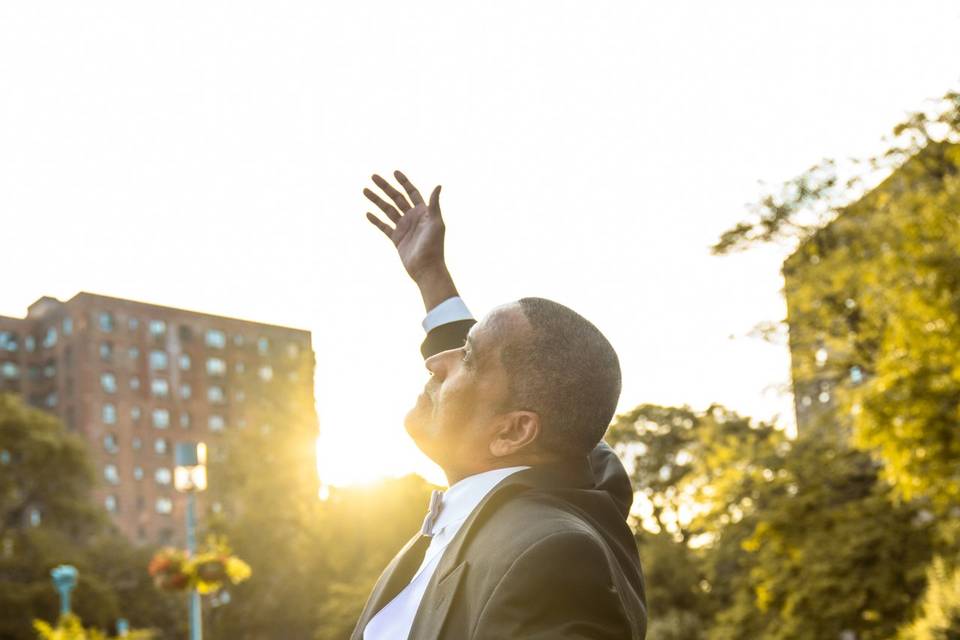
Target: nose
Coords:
[[438, 364]]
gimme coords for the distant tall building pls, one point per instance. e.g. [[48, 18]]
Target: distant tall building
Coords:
[[133, 379], [831, 285]]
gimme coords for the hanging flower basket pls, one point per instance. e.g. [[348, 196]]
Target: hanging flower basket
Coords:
[[173, 570]]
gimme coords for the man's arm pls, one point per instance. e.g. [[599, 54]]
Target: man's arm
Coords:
[[559, 589], [418, 235]]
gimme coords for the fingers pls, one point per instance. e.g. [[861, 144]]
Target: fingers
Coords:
[[380, 224], [411, 190], [392, 193], [387, 208], [435, 201]]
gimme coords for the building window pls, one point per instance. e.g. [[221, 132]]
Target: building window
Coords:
[[105, 321], [216, 423], [108, 382], [9, 371], [29, 343], [239, 367], [215, 395], [8, 341], [134, 383], [133, 353], [161, 418], [164, 506], [238, 340], [266, 373], [110, 474], [162, 475], [51, 400], [111, 503], [185, 391], [215, 339], [293, 350], [49, 371], [263, 346], [184, 362], [50, 338], [137, 444], [158, 328], [68, 326], [160, 446], [160, 388], [110, 443], [109, 414], [135, 414], [106, 351], [216, 367], [158, 359], [133, 324], [185, 420], [138, 473], [240, 396]]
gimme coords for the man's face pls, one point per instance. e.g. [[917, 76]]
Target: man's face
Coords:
[[454, 417]]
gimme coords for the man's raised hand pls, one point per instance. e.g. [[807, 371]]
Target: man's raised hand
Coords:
[[417, 234]]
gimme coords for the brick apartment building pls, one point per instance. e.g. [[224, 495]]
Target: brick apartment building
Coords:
[[133, 379]]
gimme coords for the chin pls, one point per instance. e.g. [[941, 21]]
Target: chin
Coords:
[[417, 425]]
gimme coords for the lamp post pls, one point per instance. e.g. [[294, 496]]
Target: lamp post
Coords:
[[190, 477], [64, 579]]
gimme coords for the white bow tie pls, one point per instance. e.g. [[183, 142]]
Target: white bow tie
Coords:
[[436, 501]]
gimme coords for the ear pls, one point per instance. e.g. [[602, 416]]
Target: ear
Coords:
[[515, 431]]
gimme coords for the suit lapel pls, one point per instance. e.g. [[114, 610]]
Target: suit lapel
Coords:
[[446, 579], [436, 602], [387, 587]]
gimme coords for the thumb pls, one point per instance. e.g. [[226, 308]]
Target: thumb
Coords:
[[435, 201]]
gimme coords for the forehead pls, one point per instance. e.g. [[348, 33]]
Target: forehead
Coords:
[[502, 325]]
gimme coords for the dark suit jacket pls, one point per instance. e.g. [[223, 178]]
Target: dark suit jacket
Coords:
[[546, 555]]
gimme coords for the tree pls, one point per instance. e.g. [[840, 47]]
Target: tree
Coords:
[[774, 538], [873, 292], [47, 518], [939, 617]]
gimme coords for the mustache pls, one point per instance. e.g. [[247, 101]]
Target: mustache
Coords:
[[430, 389]]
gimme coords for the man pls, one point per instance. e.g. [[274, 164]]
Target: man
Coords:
[[530, 540]]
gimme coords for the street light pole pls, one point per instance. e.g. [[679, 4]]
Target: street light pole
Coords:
[[64, 579], [196, 623], [190, 476]]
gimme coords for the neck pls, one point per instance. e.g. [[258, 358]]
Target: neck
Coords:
[[456, 474]]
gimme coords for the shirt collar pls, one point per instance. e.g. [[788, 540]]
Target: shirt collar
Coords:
[[464, 496]]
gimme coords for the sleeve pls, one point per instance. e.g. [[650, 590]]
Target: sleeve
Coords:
[[450, 310], [559, 589], [447, 326]]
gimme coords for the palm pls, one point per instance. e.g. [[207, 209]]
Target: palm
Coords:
[[419, 231]]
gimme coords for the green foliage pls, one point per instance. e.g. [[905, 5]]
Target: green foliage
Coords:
[[47, 473], [764, 537], [873, 292], [939, 617]]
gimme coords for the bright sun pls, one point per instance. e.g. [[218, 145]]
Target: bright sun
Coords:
[[343, 460]]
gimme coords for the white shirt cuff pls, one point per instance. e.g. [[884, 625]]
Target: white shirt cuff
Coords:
[[450, 310]]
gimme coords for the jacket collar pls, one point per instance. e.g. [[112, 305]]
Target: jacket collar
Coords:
[[443, 585]]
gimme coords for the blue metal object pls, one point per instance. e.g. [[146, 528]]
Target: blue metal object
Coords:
[[64, 579], [196, 630]]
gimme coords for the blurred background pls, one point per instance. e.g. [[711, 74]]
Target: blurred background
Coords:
[[756, 202]]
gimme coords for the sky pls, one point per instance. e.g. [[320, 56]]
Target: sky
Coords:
[[211, 156]]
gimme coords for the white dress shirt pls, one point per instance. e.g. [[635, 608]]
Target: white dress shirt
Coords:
[[450, 310], [393, 622]]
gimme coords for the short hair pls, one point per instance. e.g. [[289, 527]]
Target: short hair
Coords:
[[567, 372]]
